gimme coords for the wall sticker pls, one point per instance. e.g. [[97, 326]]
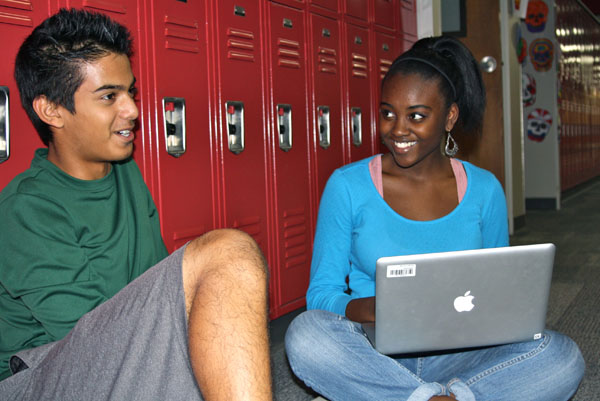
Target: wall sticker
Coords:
[[541, 54], [529, 89], [539, 122], [537, 15]]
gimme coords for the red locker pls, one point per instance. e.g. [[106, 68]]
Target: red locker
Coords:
[[17, 20], [292, 3], [327, 4], [291, 157], [387, 48], [179, 128], [232, 74], [407, 42], [242, 137], [125, 12], [326, 111], [385, 14], [408, 17], [357, 9], [359, 104]]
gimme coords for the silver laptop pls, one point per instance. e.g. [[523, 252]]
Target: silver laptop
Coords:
[[461, 299]]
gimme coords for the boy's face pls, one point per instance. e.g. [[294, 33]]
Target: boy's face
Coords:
[[101, 129]]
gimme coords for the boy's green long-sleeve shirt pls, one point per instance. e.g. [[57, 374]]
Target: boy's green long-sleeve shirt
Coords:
[[66, 246]]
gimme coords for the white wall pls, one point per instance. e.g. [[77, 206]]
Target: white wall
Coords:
[[429, 22], [542, 175]]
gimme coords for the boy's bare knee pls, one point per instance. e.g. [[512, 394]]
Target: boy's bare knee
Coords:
[[226, 237], [224, 260], [228, 249], [226, 243]]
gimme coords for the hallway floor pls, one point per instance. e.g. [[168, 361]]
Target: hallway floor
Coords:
[[574, 306]]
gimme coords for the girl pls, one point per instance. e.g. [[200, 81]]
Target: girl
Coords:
[[415, 199]]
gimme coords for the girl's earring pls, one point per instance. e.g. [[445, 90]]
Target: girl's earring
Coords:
[[450, 151]]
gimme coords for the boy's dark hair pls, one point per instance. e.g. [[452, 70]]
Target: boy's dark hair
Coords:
[[451, 62], [50, 59]]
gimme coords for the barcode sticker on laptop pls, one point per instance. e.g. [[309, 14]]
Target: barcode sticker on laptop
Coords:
[[408, 270]]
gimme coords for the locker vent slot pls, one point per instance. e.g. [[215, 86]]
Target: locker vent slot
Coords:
[[181, 47], [106, 5], [327, 60], [181, 34], [240, 45], [384, 66], [183, 236], [294, 234], [407, 4], [21, 4], [359, 65], [15, 19], [178, 21], [250, 225], [289, 53]]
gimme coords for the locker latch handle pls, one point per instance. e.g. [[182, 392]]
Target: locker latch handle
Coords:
[[235, 126], [323, 126], [174, 125], [356, 115], [4, 125], [284, 126]]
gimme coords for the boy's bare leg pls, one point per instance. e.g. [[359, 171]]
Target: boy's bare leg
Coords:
[[225, 284]]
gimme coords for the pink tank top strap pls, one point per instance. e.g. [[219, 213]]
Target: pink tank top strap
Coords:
[[457, 168], [461, 178], [376, 175]]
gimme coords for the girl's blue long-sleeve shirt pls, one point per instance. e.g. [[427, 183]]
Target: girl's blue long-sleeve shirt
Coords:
[[355, 227]]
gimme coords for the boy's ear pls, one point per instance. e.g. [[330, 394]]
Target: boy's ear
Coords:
[[48, 111]]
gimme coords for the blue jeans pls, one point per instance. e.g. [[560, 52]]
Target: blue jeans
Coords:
[[332, 355]]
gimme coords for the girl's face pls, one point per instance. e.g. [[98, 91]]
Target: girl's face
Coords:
[[413, 118]]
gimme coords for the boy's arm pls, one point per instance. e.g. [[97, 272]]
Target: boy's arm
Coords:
[[44, 274]]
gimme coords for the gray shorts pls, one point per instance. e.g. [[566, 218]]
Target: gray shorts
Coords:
[[132, 347]]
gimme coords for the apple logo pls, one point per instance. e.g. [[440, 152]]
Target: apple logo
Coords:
[[464, 303]]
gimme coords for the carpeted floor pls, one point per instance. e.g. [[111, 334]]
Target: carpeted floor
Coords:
[[574, 306]]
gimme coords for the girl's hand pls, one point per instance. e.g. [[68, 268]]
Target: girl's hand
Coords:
[[361, 310]]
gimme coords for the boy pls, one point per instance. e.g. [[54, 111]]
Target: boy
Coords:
[[83, 314]]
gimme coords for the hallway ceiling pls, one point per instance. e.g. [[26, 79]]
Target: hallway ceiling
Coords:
[[593, 5]]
